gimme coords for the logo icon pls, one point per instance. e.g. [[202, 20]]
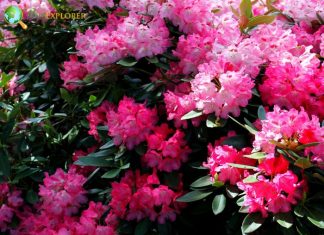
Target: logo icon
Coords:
[[14, 15]]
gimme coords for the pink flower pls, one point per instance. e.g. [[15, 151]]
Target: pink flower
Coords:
[[100, 3], [83, 170], [10, 200], [192, 16], [221, 156], [221, 92], [14, 87], [98, 117], [130, 122], [192, 51], [274, 196], [167, 149], [301, 10], [150, 7], [297, 82], [136, 198], [135, 35], [73, 72], [7, 39], [63, 193], [290, 129]]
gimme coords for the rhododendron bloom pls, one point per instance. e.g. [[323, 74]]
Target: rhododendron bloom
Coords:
[[130, 122], [10, 201], [167, 149], [294, 84], [7, 38], [135, 35], [276, 196], [221, 92], [63, 193], [73, 72], [274, 165], [290, 129], [137, 197], [98, 117], [219, 159]]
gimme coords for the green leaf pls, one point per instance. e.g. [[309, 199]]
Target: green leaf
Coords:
[[240, 201], [219, 204], [143, 227], [241, 166], [31, 197], [7, 54], [251, 179], [232, 191], [108, 145], [244, 209], [284, 219], [192, 114], [127, 62], [246, 8], [202, 182], [93, 161], [111, 174], [5, 78], [301, 147], [299, 211], [193, 196], [213, 122], [152, 60], [303, 163], [257, 156], [251, 223], [316, 218], [238, 141], [262, 113], [4, 163], [261, 19]]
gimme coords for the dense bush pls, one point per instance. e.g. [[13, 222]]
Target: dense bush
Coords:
[[163, 117]]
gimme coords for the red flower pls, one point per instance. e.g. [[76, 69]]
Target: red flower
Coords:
[[274, 165]]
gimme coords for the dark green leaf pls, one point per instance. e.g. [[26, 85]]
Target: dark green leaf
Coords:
[[143, 227], [316, 217], [93, 161], [238, 141], [31, 197], [202, 182], [232, 191], [193, 196], [127, 62], [284, 219], [111, 174], [192, 114], [4, 163], [261, 113], [252, 222], [219, 204], [108, 145]]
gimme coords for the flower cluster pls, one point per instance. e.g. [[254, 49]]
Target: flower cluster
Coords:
[[290, 129], [219, 161], [73, 72], [167, 149], [138, 196], [135, 35], [10, 202]]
